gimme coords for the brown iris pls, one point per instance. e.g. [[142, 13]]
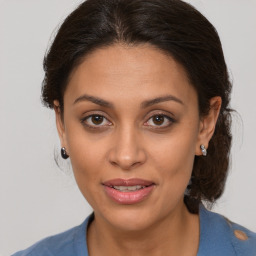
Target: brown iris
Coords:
[[158, 120], [96, 119]]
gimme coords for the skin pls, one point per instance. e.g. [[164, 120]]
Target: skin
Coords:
[[130, 143]]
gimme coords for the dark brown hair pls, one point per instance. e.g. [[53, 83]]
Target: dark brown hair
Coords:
[[177, 29]]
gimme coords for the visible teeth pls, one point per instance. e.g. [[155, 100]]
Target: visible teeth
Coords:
[[128, 188]]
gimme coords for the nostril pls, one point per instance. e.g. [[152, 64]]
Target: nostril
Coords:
[[125, 165], [126, 157]]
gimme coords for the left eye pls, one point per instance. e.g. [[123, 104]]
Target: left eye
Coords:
[[160, 120]]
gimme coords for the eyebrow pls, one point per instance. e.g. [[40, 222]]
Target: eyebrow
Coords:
[[154, 101], [95, 100], [144, 104]]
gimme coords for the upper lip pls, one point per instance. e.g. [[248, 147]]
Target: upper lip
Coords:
[[127, 182]]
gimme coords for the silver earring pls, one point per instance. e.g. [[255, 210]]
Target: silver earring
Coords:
[[64, 153], [203, 149]]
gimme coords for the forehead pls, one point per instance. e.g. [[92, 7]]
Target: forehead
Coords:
[[129, 72]]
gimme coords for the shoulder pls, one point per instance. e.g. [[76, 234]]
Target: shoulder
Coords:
[[224, 237], [53, 245], [63, 244]]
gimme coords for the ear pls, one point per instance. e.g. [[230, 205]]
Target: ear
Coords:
[[208, 123], [60, 124]]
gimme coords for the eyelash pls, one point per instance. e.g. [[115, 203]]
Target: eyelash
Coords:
[[83, 121]]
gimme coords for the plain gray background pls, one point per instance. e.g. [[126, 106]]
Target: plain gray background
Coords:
[[37, 199]]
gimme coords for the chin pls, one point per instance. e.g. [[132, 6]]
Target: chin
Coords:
[[132, 218], [132, 221]]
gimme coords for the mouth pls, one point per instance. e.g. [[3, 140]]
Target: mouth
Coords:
[[128, 188], [129, 191]]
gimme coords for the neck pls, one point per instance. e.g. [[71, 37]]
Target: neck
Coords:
[[175, 234]]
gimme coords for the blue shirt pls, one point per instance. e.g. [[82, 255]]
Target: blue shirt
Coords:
[[218, 237]]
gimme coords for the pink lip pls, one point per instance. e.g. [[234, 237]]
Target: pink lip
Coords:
[[132, 197]]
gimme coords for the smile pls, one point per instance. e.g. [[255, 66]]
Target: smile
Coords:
[[130, 191], [128, 188]]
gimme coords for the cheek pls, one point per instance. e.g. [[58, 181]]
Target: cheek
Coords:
[[86, 155], [87, 169], [84, 147], [173, 155], [86, 158], [173, 160]]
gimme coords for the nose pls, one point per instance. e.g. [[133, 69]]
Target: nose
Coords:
[[127, 149]]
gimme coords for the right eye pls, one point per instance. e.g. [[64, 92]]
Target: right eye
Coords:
[[94, 121]]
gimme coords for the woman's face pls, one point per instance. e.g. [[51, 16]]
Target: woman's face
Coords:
[[131, 128]]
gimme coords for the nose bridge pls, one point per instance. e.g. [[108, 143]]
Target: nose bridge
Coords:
[[127, 151]]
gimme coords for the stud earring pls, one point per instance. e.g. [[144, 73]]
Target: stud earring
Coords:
[[203, 149], [64, 153]]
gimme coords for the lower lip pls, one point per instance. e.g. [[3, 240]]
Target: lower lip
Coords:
[[132, 197]]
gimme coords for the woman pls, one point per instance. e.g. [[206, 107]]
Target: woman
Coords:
[[141, 95]]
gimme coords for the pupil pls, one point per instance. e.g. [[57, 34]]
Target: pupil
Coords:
[[97, 119], [158, 119]]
